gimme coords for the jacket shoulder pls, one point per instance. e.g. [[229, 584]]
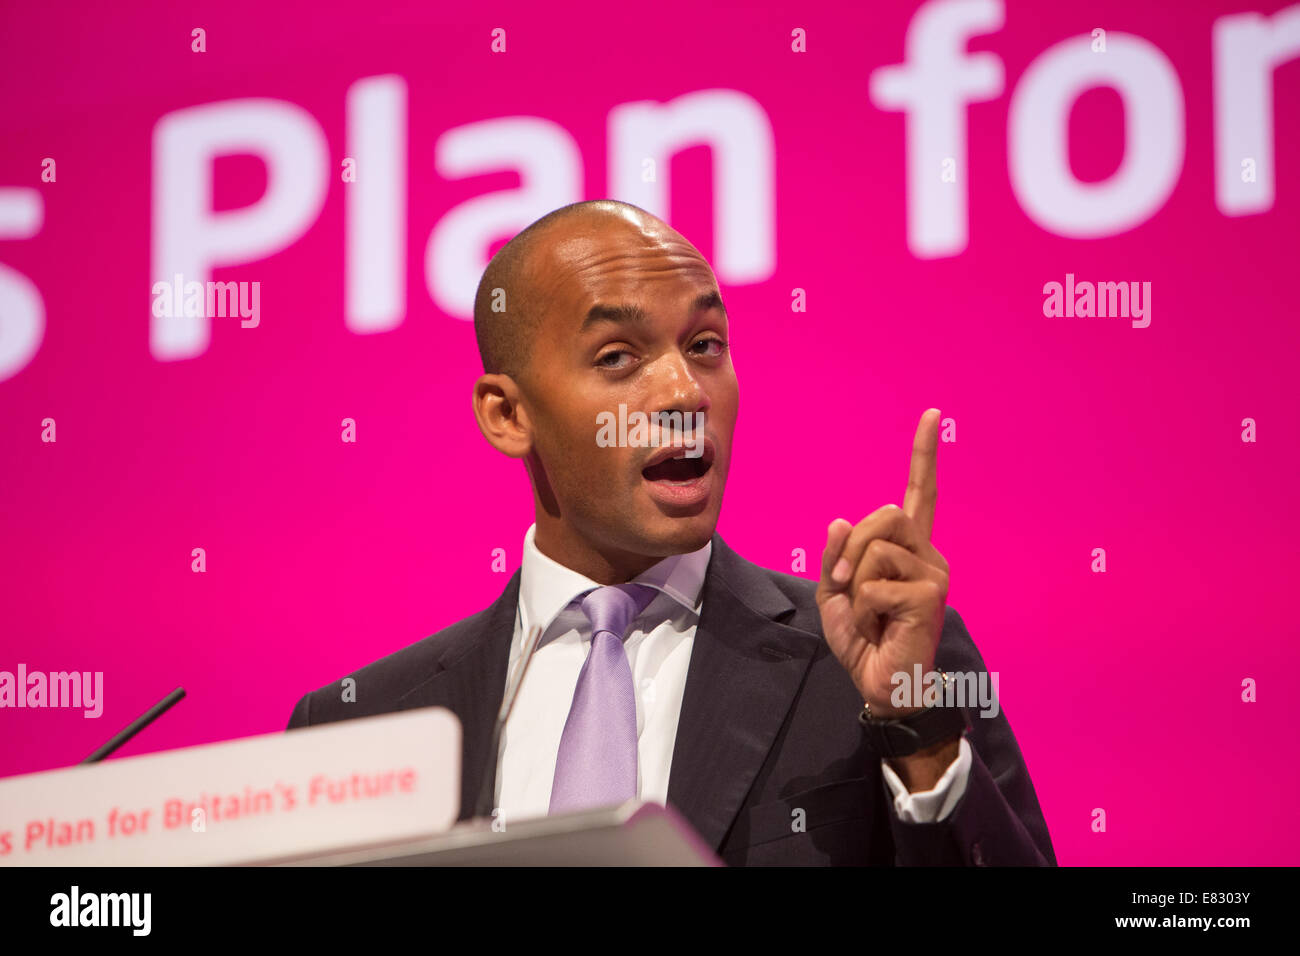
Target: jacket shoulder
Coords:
[[390, 678]]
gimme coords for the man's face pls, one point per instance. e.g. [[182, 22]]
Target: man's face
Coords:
[[633, 318]]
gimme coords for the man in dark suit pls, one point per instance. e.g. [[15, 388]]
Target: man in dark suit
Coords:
[[766, 709]]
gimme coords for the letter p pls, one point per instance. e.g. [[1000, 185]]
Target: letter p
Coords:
[[189, 237]]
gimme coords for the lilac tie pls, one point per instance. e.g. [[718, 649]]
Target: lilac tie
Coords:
[[596, 763]]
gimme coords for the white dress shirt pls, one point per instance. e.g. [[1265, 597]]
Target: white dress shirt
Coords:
[[659, 650]]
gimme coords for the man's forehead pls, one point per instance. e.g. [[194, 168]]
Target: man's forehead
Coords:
[[578, 271]]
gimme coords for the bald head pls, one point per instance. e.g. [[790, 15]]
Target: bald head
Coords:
[[597, 307], [509, 305]]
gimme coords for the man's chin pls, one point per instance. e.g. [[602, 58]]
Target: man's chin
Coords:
[[665, 535]]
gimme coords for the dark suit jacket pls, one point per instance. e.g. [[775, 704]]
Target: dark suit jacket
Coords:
[[768, 724]]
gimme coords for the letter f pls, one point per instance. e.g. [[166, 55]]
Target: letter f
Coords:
[[933, 87]]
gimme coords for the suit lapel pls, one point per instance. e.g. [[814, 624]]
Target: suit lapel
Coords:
[[745, 670], [471, 682]]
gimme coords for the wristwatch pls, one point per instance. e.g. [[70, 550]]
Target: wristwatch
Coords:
[[904, 736]]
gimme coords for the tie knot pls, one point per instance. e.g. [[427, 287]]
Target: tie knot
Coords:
[[614, 607]]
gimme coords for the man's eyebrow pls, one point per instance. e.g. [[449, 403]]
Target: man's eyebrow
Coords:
[[708, 300], [634, 314], [613, 313]]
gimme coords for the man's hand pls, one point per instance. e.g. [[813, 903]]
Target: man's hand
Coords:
[[882, 595], [884, 586]]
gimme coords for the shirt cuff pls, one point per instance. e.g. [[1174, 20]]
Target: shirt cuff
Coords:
[[931, 806]]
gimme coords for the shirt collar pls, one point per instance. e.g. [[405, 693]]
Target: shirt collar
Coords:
[[547, 587]]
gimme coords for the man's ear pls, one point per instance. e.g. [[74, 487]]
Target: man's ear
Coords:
[[499, 410]]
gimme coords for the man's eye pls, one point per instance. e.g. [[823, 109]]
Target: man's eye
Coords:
[[602, 361], [721, 346]]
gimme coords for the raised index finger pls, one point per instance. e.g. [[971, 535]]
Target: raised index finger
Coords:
[[922, 484]]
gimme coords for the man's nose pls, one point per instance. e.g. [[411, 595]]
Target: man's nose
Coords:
[[678, 389]]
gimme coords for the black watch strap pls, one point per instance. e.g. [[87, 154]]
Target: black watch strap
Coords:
[[904, 736]]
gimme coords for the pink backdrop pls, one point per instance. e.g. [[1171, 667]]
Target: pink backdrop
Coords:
[[1124, 687]]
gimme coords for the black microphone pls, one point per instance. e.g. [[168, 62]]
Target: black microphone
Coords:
[[137, 725], [487, 785]]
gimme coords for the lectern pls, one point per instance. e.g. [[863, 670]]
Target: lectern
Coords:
[[374, 791], [634, 834]]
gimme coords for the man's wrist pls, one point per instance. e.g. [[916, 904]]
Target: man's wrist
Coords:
[[922, 770]]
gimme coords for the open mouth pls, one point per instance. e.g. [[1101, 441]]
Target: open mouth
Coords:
[[674, 467]]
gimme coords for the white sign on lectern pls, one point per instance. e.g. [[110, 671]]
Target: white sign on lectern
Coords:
[[365, 782]]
